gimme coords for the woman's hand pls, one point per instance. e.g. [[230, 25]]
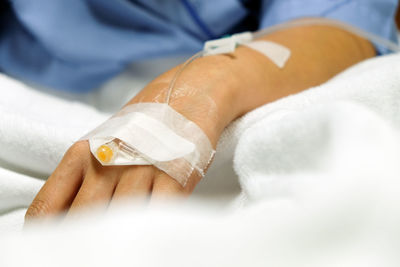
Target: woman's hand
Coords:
[[80, 180], [211, 92]]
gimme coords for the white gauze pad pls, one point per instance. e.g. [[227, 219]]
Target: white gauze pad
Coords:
[[153, 134]]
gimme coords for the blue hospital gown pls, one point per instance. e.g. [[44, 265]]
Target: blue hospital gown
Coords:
[[77, 45]]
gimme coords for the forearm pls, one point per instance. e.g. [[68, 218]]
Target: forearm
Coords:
[[224, 87], [318, 53]]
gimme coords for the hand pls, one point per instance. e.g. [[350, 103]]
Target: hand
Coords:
[[80, 180]]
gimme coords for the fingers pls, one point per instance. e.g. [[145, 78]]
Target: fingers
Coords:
[[98, 186], [60, 189], [136, 182], [165, 187], [80, 180]]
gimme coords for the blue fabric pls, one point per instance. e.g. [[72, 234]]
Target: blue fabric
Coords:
[[76, 45], [375, 16]]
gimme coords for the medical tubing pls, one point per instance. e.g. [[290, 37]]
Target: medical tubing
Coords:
[[301, 22], [178, 73]]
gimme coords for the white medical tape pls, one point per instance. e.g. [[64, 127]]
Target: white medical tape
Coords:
[[277, 53], [226, 44], [158, 135], [219, 46]]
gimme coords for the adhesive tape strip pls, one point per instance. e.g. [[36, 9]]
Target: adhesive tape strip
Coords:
[[279, 54], [157, 135]]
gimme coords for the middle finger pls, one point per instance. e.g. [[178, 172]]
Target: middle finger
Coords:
[[98, 186]]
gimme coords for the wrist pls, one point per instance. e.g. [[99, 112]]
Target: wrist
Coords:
[[206, 93]]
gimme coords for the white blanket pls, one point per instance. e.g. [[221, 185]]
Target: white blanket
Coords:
[[319, 173]]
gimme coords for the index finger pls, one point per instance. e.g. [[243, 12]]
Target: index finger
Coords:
[[63, 184]]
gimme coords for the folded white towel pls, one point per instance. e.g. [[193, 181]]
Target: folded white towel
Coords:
[[309, 133], [36, 129], [16, 191]]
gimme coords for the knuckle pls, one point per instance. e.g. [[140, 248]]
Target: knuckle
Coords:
[[139, 172], [166, 183], [38, 208], [78, 151], [79, 148]]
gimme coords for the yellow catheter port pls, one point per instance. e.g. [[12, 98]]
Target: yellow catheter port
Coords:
[[105, 153]]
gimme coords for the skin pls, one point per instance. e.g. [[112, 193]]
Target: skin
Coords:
[[212, 92]]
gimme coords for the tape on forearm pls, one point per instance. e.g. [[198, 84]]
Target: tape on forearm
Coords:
[[277, 53], [152, 134]]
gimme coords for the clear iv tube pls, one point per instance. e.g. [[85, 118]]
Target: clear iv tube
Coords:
[[301, 22], [178, 73]]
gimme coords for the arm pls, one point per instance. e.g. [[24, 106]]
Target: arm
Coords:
[[243, 81], [212, 92]]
